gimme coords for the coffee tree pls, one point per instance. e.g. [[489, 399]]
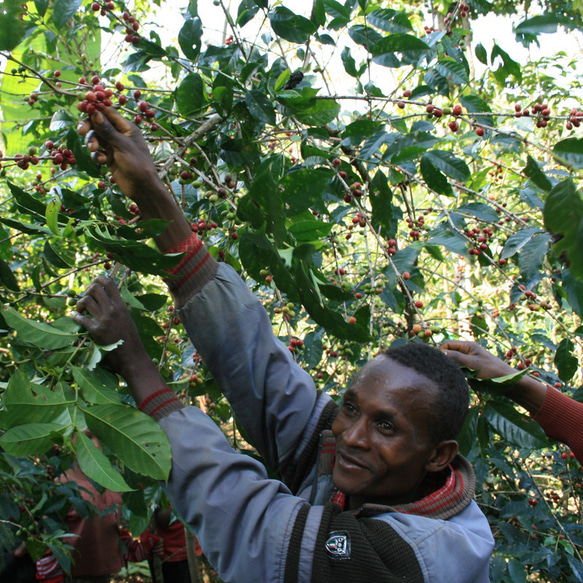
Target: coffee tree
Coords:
[[359, 171]]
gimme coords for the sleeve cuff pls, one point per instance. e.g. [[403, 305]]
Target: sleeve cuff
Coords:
[[161, 404], [194, 271]]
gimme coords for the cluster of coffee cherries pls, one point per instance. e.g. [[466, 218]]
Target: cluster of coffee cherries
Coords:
[[131, 24]]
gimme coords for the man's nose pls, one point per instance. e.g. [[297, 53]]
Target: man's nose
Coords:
[[357, 435]]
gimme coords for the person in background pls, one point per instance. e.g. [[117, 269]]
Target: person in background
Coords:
[[560, 416]]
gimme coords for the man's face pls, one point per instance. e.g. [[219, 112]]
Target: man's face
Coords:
[[382, 433]]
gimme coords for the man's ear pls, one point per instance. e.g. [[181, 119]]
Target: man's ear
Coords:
[[443, 455]]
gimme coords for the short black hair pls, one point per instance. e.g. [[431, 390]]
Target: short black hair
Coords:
[[452, 402]]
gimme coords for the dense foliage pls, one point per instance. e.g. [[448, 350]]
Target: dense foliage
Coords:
[[434, 196]]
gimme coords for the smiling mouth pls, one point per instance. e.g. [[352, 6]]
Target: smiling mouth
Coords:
[[349, 463]]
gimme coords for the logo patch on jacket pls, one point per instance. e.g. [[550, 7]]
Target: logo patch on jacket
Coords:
[[338, 545]]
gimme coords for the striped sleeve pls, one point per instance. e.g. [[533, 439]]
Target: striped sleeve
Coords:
[[161, 403], [195, 269]]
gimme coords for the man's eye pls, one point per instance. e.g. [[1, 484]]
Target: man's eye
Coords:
[[348, 407], [385, 426]]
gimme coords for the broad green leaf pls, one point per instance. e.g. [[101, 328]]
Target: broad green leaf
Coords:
[[246, 11], [454, 71], [308, 228], [364, 35], [191, 95], [381, 199], [13, 28], [518, 240], [290, 26], [318, 112], [349, 63], [7, 277], [475, 104], [537, 176], [450, 240], [515, 428], [260, 107], [400, 49], [390, 20], [434, 177], [43, 335], [52, 215], [303, 189], [134, 254], [28, 203], [190, 38], [570, 152], [566, 362], [96, 466], [542, 23], [480, 211], [449, 164], [563, 216], [532, 255], [64, 11], [282, 80], [332, 321], [32, 403], [98, 386], [137, 440], [30, 439], [508, 67]]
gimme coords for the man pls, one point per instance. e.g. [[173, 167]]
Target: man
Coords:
[[372, 490]]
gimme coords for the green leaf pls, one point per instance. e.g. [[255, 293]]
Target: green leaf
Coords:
[[282, 79], [481, 54], [381, 199], [390, 20], [434, 178], [260, 107], [517, 241], [190, 38], [136, 255], [449, 164], [246, 11], [364, 35], [52, 215], [97, 386], [137, 440], [532, 255], [318, 112], [569, 152], [454, 71], [13, 29], [40, 334], [475, 104], [542, 23], [349, 63], [190, 95], [30, 439], [96, 466], [290, 26], [536, 175], [303, 188], [400, 49], [508, 67], [31, 403], [332, 321], [563, 215], [64, 11], [515, 428], [308, 228], [7, 277], [566, 362]]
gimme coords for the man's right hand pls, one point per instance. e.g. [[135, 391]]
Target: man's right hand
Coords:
[[118, 143]]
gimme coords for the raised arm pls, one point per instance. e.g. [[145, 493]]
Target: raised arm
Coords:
[[118, 143], [560, 416], [527, 392]]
